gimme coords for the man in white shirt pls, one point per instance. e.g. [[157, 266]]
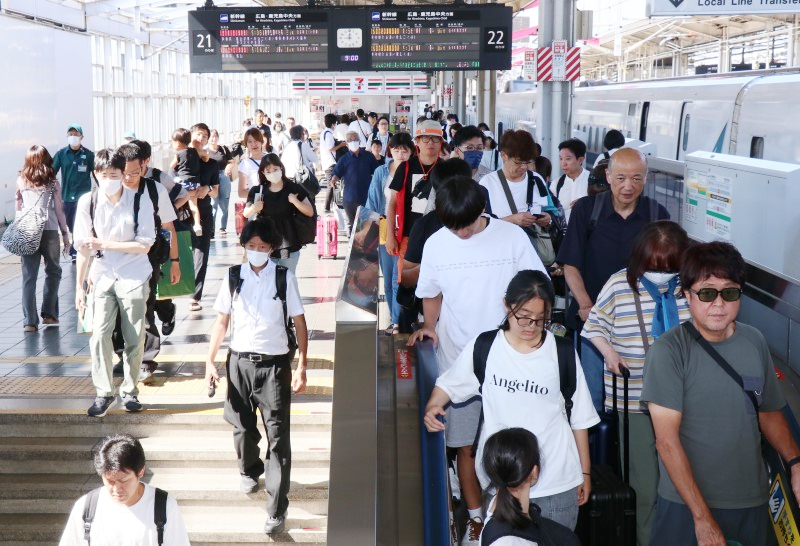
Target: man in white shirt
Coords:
[[125, 505], [327, 151], [574, 183], [259, 364], [107, 230], [362, 128], [613, 141], [464, 272], [298, 152], [164, 217]]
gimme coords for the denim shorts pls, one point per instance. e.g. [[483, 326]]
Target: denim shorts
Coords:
[[561, 507], [461, 423]]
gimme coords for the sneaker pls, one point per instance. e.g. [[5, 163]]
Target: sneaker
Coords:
[[146, 374], [131, 403], [274, 524], [472, 536], [248, 484], [101, 406], [50, 321], [223, 233], [30, 328], [168, 327]]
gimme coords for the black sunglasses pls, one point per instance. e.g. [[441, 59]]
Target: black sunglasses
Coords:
[[710, 294]]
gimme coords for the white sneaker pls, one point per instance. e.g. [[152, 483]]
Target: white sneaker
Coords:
[[472, 536], [455, 485]]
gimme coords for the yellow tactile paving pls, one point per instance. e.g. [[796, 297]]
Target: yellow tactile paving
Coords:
[[193, 385]]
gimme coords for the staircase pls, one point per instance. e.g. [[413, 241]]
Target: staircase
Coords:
[[46, 465]]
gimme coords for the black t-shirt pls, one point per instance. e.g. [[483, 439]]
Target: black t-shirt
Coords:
[[417, 190], [420, 233], [222, 156], [600, 252], [209, 176], [280, 211]]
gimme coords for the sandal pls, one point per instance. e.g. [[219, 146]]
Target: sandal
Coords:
[[195, 306], [392, 330]]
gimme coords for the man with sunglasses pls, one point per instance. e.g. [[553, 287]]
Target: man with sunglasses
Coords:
[[713, 486]]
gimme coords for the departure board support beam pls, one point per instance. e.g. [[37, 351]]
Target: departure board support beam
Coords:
[[554, 99]]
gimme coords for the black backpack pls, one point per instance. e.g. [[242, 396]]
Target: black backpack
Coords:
[[541, 531], [235, 282], [566, 371], [159, 513]]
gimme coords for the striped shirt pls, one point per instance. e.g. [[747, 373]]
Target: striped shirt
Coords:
[[614, 318]]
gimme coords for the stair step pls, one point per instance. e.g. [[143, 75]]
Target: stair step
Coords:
[[203, 527], [140, 424]]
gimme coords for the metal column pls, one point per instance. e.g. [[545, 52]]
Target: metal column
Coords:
[[554, 102]]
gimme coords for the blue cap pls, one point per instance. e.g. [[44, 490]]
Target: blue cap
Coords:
[[129, 135], [76, 127]]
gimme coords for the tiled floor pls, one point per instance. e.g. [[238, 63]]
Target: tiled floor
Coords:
[[61, 351]]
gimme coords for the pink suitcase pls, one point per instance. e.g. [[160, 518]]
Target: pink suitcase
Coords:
[[327, 237]]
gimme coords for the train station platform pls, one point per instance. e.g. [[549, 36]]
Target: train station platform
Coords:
[[46, 437]]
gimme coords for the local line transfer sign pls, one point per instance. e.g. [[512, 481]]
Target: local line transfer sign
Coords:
[[671, 8]]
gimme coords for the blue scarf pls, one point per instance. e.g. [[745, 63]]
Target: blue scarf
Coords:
[[665, 315]]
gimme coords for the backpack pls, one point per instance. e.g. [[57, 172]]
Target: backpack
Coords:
[[541, 531], [560, 184], [235, 282], [566, 371], [159, 513], [602, 198], [305, 176], [159, 252]]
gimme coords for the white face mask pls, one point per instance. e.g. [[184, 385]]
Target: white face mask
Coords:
[[73, 140], [256, 258], [658, 278], [109, 186], [353, 146], [274, 176]]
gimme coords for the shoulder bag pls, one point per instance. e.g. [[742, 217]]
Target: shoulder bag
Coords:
[[24, 235], [305, 176], [539, 237]]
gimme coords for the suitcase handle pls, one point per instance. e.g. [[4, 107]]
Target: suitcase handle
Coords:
[[626, 373]]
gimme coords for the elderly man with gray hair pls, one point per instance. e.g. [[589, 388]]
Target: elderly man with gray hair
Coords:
[[356, 167]]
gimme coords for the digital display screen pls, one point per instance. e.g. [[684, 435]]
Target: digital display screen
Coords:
[[317, 39]]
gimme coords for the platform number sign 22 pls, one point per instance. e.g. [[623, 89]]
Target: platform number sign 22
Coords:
[[204, 44], [496, 39]]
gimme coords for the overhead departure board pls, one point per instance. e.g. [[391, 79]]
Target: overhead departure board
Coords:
[[317, 39]]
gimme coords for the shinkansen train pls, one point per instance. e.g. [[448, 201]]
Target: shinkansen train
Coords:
[[750, 114]]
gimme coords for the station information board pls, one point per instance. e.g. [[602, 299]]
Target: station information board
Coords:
[[315, 39]]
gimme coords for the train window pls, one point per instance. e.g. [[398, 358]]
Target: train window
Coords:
[[757, 147], [686, 132], [643, 124], [631, 109], [604, 137]]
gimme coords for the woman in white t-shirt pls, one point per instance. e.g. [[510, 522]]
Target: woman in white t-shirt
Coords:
[[521, 388], [512, 461], [253, 142], [518, 153]]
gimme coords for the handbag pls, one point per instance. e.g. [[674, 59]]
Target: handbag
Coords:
[[24, 235], [540, 237], [165, 289], [305, 176]]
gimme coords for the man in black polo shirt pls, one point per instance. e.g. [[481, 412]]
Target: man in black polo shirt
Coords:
[[598, 243]]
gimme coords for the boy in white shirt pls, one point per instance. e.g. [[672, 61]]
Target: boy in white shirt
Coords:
[[125, 508], [107, 228], [574, 183], [465, 269]]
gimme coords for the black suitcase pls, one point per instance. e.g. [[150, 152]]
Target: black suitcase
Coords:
[[609, 518]]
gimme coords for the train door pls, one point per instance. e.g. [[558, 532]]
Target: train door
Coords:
[[643, 122], [683, 135]]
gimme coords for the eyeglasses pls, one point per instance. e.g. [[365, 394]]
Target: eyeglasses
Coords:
[[471, 148], [429, 139], [518, 163], [132, 175], [525, 322], [708, 295]]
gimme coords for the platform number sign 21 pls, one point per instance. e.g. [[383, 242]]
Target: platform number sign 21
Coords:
[[204, 43], [496, 39]]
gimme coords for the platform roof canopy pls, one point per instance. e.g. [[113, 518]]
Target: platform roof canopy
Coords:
[[170, 15]]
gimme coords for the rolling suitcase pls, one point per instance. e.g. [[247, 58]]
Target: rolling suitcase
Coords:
[[609, 518], [327, 237]]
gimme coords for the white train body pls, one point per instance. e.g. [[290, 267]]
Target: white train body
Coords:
[[750, 115]]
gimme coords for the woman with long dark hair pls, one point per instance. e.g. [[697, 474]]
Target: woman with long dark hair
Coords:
[[522, 388], [512, 462], [279, 199], [37, 187]]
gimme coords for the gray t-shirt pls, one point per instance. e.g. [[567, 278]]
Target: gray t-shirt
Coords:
[[719, 430]]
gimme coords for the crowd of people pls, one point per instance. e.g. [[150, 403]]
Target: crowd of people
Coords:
[[480, 243]]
